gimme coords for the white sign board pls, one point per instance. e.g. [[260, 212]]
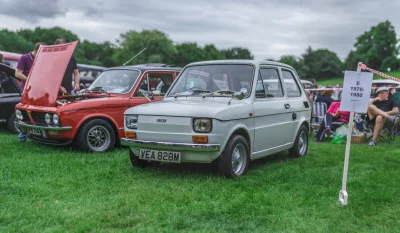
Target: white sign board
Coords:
[[356, 91]]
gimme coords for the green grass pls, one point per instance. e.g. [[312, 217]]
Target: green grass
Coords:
[[339, 80], [47, 189]]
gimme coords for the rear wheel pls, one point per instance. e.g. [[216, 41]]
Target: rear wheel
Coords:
[[234, 160], [11, 125], [96, 136], [300, 146]]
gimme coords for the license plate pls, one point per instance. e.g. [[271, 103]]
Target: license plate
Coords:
[[34, 131], [160, 155]]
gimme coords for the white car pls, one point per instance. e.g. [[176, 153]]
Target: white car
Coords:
[[198, 121], [384, 83]]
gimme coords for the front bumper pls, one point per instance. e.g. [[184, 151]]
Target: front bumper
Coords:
[[170, 145], [45, 132]]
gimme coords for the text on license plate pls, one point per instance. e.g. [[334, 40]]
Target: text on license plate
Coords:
[[159, 155], [34, 131]]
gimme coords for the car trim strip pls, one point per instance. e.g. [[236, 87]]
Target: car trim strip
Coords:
[[171, 145]]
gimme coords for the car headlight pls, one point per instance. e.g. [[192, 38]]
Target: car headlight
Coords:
[[47, 118], [18, 114], [56, 119], [202, 125], [131, 121]]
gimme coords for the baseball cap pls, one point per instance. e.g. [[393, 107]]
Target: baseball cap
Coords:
[[382, 89]]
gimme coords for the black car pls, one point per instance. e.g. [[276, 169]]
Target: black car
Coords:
[[88, 74], [10, 95]]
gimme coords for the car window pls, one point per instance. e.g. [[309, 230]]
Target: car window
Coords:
[[8, 84], [115, 81], [272, 84], [291, 86], [214, 78], [158, 84]]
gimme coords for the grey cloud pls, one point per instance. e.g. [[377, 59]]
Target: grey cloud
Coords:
[[31, 11], [269, 29]]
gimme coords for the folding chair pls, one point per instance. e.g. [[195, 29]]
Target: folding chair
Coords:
[[387, 134], [318, 113]]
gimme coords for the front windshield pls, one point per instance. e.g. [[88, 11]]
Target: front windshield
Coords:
[[115, 81], [223, 79]]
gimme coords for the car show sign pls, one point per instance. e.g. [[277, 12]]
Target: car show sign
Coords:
[[356, 91]]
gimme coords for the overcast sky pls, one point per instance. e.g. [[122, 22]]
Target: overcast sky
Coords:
[[268, 28]]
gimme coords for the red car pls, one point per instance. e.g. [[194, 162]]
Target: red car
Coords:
[[93, 119]]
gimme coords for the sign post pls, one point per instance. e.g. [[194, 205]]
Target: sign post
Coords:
[[355, 98]]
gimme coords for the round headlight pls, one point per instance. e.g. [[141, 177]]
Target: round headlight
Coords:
[[47, 118], [56, 120], [18, 114]]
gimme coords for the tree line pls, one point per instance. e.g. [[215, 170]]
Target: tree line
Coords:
[[377, 47]]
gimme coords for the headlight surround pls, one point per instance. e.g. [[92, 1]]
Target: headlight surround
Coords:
[[47, 118], [131, 121], [202, 125], [56, 119], [18, 114]]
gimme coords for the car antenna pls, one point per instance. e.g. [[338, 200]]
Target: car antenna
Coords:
[[134, 56]]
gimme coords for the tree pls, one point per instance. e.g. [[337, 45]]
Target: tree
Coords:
[[237, 53], [376, 45], [212, 53], [321, 63], [98, 54], [186, 53], [158, 47], [12, 42]]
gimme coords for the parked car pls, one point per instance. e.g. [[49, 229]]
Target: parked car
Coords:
[[11, 58], [10, 95], [384, 83], [93, 119], [198, 121], [307, 84], [88, 74]]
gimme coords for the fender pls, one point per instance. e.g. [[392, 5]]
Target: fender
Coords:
[[238, 126], [96, 115]]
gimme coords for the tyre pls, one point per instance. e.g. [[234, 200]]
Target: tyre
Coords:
[[11, 125], [300, 146], [234, 160], [96, 136], [136, 162]]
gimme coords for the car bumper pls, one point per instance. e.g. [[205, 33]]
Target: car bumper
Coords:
[[203, 153], [170, 145], [45, 134]]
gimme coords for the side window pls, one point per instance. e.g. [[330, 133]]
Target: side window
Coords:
[[292, 88], [155, 84], [271, 82], [260, 91]]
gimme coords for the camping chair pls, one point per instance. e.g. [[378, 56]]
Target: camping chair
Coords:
[[387, 134], [318, 114]]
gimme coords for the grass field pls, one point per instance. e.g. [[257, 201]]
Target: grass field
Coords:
[[47, 189], [339, 80]]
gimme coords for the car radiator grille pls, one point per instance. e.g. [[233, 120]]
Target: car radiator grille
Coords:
[[25, 116], [38, 117]]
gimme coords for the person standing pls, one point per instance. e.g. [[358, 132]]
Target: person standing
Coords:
[[22, 71], [72, 69]]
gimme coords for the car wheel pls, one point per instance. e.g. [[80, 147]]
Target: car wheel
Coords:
[[300, 146], [136, 162], [11, 124], [96, 136], [234, 160]]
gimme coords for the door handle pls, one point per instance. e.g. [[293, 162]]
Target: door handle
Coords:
[[287, 106]]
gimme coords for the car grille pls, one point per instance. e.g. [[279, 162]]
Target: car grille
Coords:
[[25, 116], [38, 117]]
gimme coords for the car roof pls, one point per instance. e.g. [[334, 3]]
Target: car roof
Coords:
[[83, 67], [240, 61], [146, 67]]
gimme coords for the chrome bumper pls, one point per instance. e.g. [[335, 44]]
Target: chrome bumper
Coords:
[[54, 128], [170, 145]]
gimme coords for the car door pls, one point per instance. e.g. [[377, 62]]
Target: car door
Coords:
[[294, 103], [154, 84], [271, 119]]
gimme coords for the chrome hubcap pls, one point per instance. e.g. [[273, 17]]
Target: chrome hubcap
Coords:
[[238, 159], [303, 143], [98, 138]]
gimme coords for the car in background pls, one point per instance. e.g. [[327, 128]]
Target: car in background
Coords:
[[88, 74], [10, 95], [227, 111], [307, 84], [93, 119], [384, 83], [11, 58]]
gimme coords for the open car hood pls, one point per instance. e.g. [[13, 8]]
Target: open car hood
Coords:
[[46, 74]]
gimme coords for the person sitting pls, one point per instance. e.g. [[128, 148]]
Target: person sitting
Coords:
[[333, 115], [382, 112], [325, 97]]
